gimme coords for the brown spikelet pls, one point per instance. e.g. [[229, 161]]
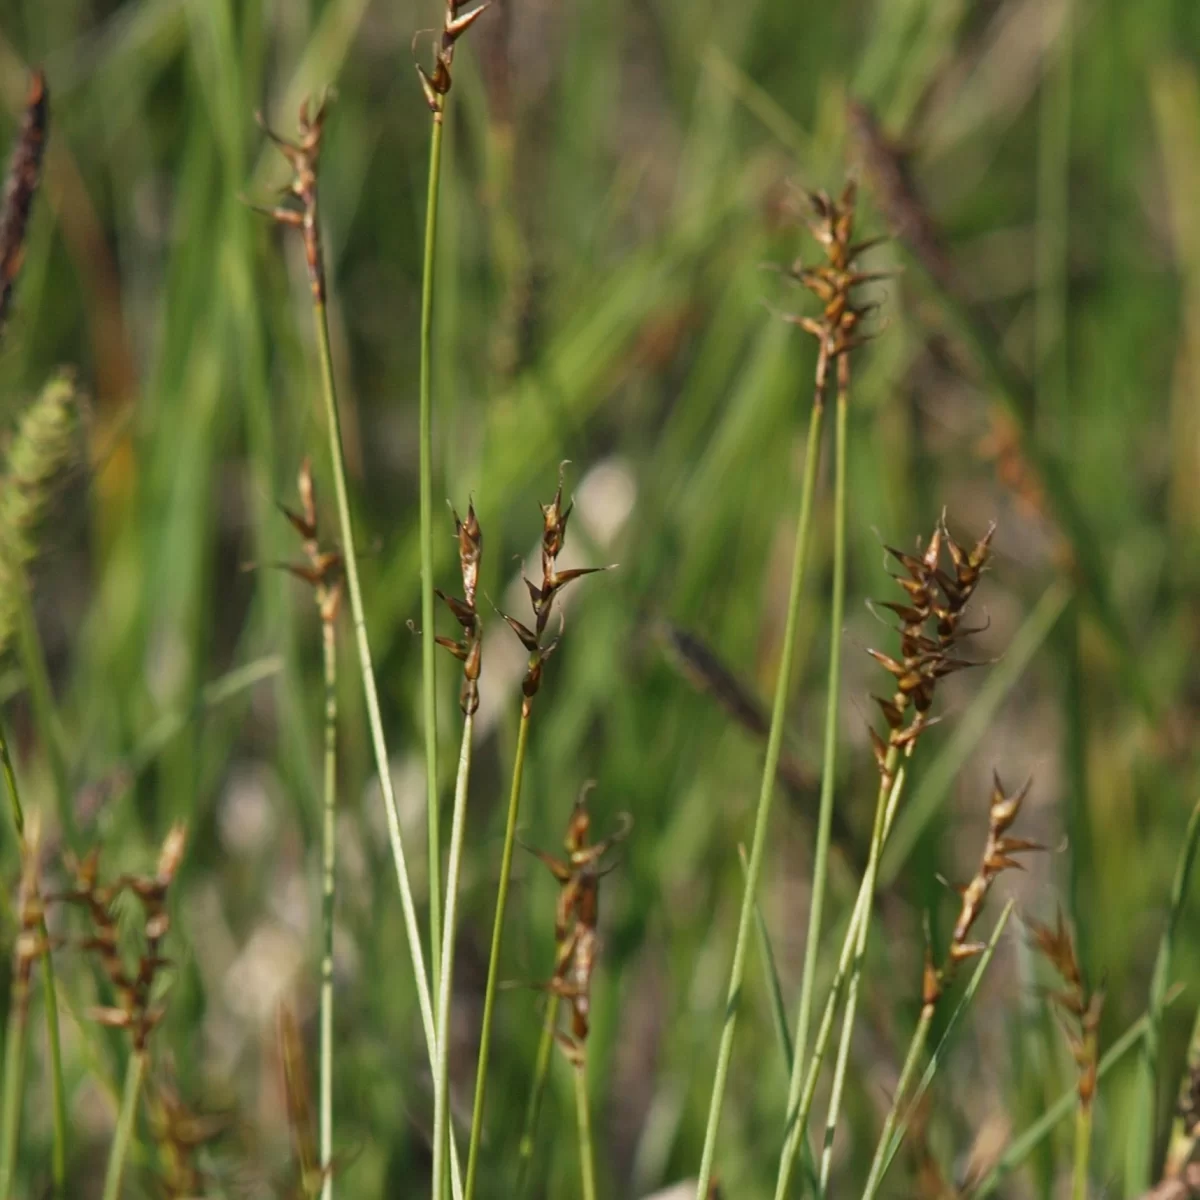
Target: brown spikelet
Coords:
[[20, 187], [576, 917], [469, 648], [436, 83], [543, 595]]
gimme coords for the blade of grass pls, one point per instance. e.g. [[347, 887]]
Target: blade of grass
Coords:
[[58, 1095], [541, 1071], [428, 646], [493, 975], [1139, 1170], [774, 987], [458, 823], [14, 1077], [766, 792]]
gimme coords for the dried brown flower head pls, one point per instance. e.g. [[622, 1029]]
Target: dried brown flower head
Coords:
[[323, 570], [469, 648], [20, 187], [436, 83]]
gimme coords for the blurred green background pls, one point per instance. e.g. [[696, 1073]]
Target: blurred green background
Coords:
[[617, 174]]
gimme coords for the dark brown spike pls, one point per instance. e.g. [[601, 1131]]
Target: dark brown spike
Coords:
[[20, 188]]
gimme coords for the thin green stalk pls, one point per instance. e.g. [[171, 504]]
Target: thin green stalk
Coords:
[[1142, 1149], [797, 1119], [371, 697], [328, 880], [1024, 1146], [428, 646], [127, 1118], [493, 975], [860, 950], [1083, 1152], [441, 1082], [541, 1071], [58, 1092], [587, 1158], [829, 759], [767, 789], [14, 1077], [892, 1136], [771, 972], [41, 696]]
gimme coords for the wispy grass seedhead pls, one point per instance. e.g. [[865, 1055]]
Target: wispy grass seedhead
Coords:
[[20, 188], [542, 596], [301, 209], [138, 1011], [469, 648], [436, 83]]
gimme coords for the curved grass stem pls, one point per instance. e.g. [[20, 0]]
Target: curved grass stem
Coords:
[[14, 1076], [541, 1072], [489, 998], [441, 1094], [428, 646], [767, 789]]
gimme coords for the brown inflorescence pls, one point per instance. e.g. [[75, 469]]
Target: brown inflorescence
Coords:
[[32, 940], [838, 329], [576, 916], [436, 83], [136, 1010], [301, 209], [20, 187], [323, 570], [930, 632], [469, 648], [1077, 1005], [541, 596], [999, 854], [179, 1133]]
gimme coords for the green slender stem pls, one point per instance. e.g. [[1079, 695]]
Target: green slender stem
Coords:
[[860, 949], [767, 789], [1083, 1152], [1147, 1070], [135, 1072], [829, 760], [371, 697], [428, 646], [771, 972], [541, 1071], [587, 1158], [493, 975], [890, 1142], [14, 1077], [41, 695], [328, 883], [441, 1082], [58, 1092], [916, 1048], [797, 1119], [1024, 1146]]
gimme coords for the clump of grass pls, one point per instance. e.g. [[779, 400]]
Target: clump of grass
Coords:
[[541, 596], [931, 630], [838, 332]]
